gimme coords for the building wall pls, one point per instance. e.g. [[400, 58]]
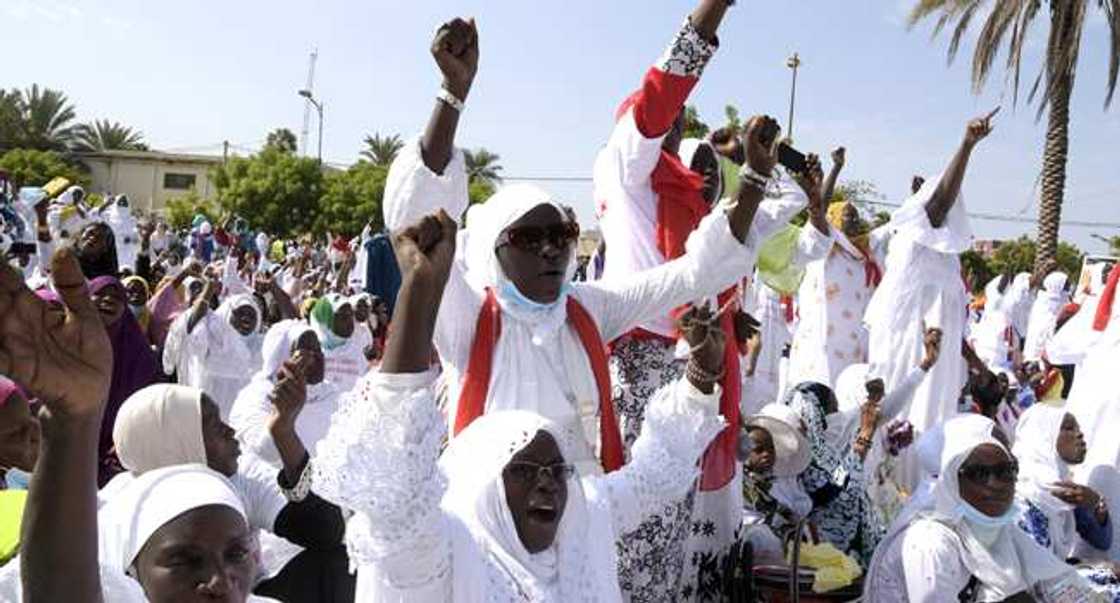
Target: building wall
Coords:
[[149, 183]]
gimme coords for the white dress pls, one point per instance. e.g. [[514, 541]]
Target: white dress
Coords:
[[412, 543]]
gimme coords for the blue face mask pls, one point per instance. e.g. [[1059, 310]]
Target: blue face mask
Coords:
[[512, 295], [985, 527]]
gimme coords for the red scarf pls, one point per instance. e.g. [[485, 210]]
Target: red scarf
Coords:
[[476, 381], [1104, 307], [717, 467]]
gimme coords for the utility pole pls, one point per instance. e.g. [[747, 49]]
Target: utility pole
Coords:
[[318, 107], [794, 62], [225, 151], [306, 109]]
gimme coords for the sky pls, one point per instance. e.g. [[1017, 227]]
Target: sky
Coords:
[[190, 75]]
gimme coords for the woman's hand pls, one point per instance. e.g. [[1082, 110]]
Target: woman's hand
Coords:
[[1076, 494], [290, 393], [932, 344], [426, 250], [60, 352], [760, 141], [455, 49], [707, 343]]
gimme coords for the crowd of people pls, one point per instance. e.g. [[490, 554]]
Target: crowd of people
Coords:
[[457, 409]]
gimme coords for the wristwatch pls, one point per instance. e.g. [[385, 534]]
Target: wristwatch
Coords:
[[1102, 506]]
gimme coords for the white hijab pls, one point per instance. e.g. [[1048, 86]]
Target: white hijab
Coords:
[[485, 223], [792, 452], [1036, 440], [1004, 559], [687, 151], [1044, 314], [579, 566], [240, 353], [160, 426]]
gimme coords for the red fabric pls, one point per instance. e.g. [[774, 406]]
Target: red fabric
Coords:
[[717, 466], [1104, 308], [872, 273], [787, 307], [476, 381], [658, 102]]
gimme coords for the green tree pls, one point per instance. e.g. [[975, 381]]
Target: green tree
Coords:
[[351, 199], [28, 167], [1020, 255], [694, 127], [977, 268], [181, 210], [46, 120], [734, 123], [860, 192], [104, 135], [482, 166], [276, 190], [480, 191], [1114, 245], [1054, 82], [282, 139], [11, 119], [381, 150]]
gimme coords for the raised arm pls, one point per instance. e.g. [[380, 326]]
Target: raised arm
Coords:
[[64, 358], [379, 457], [839, 156], [938, 206], [455, 50], [680, 423]]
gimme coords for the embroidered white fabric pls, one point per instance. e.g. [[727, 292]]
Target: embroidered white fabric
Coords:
[[688, 53], [413, 543]]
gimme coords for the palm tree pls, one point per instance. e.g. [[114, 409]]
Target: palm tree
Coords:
[[482, 166], [47, 117], [1054, 82], [104, 135], [11, 119], [382, 150]]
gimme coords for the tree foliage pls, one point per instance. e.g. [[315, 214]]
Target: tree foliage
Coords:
[[734, 123], [381, 150], [28, 167], [1013, 257], [46, 120], [104, 135], [180, 210], [977, 269], [351, 199], [276, 190], [483, 166], [283, 140], [694, 127]]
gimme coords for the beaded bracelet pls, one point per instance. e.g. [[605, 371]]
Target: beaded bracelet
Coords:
[[452, 101]]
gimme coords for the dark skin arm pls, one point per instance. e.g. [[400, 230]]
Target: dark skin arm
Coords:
[[288, 398], [63, 357], [202, 304], [268, 285], [761, 156], [950, 186], [810, 182], [839, 156], [455, 50], [425, 252], [707, 16]]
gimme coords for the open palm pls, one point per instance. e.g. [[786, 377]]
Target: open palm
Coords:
[[61, 353]]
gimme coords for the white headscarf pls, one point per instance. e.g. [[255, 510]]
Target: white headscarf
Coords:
[[485, 223], [238, 351], [160, 426], [1005, 559], [1036, 448], [473, 465], [1044, 314], [1019, 300], [147, 503]]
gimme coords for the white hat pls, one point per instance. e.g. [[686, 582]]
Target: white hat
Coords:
[[791, 448]]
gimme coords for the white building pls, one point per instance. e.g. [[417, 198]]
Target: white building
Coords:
[[150, 178]]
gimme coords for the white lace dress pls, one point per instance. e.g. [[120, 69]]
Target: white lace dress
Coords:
[[412, 543]]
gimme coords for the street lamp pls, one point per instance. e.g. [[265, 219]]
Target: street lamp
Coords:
[[794, 62], [318, 107]]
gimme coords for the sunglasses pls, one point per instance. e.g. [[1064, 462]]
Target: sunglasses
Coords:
[[533, 238], [980, 474], [531, 473]]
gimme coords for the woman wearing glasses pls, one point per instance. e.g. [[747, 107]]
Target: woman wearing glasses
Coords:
[[966, 545], [514, 332], [502, 515]]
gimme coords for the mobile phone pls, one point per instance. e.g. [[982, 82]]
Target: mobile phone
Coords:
[[22, 249], [791, 158]]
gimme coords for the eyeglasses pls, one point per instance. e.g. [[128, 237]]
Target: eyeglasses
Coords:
[[1004, 472], [531, 473], [532, 238]]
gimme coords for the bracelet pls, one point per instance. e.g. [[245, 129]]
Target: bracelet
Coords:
[[753, 182], [302, 487], [695, 373], [1102, 506], [450, 99], [747, 171]]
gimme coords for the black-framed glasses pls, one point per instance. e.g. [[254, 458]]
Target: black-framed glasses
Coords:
[[533, 238], [1004, 472], [530, 473]]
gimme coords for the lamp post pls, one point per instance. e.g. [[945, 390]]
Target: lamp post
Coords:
[[319, 108], [794, 62]]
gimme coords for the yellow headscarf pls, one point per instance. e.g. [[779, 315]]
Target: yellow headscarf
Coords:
[[835, 217]]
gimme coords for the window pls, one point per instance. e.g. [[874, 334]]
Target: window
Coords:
[[179, 182]]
